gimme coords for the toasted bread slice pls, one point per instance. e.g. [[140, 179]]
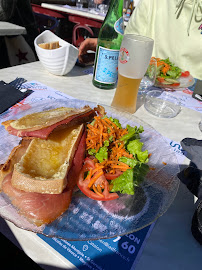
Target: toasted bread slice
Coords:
[[41, 120], [50, 45], [44, 166], [44, 119]]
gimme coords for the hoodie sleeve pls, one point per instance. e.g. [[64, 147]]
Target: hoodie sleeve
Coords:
[[139, 19]]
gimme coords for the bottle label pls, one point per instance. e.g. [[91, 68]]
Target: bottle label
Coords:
[[107, 65], [118, 26]]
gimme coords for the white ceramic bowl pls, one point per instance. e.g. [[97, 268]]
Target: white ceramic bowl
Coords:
[[57, 61]]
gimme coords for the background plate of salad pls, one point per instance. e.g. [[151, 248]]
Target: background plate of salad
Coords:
[[171, 76], [137, 201]]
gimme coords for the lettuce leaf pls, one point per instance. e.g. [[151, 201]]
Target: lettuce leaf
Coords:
[[91, 152], [102, 154], [173, 73], [114, 120], [129, 161], [133, 133], [135, 148], [124, 183], [130, 179]]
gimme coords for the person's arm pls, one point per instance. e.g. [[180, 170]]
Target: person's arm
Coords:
[[98, 2], [88, 44]]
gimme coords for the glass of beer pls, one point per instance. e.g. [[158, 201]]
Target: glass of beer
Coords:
[[134, 58]]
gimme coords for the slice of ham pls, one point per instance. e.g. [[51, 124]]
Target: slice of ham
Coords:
[[36, 207], [43, 133], [44, 208], [77, 163], [100, 110]]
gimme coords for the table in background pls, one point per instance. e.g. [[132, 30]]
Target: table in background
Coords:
[[171, 244], [81, 18], [10, 29], [97, 17], [75, 11]]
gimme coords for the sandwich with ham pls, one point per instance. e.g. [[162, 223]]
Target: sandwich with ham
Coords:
[[41, 172], [41, 124]]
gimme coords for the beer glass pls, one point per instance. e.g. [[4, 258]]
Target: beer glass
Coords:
[[134, 57]]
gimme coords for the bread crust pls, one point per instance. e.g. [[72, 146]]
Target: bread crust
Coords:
[[14, 157], [26, 183]]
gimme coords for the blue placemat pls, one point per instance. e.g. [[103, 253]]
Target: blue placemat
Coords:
[[104, 254]]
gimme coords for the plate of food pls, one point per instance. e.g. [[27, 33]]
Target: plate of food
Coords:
[[78, 170], [169, 75]]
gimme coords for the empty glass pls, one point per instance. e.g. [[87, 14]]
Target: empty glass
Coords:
[[103, 8], [149, 78], [92, 7], [79, 4], [162, 103]]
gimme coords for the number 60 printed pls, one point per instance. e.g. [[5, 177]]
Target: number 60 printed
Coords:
[[130, 248], [126, 245]]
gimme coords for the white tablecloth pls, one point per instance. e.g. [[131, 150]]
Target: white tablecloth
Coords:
[[170, 245]]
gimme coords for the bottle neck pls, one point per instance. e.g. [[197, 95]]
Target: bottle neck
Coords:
[[116, 6]]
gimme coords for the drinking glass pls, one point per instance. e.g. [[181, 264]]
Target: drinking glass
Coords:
[[162, 103], [134, 57], [79, 4], [92, 6], [103, 8], [149, 78]]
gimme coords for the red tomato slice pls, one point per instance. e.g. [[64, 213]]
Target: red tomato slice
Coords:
[[110, 176], [185, 74], [88, 164], [174, 84], [160, 79], [83, 184]]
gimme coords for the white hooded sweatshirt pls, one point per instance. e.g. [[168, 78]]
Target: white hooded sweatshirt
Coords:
[[175, 26]]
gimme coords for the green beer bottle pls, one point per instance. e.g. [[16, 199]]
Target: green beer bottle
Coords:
[[109, 42]]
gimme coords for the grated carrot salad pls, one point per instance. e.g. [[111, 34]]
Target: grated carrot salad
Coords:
[[103, 129], [165, 66]]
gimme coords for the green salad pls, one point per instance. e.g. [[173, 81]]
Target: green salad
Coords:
[[116, 162]]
